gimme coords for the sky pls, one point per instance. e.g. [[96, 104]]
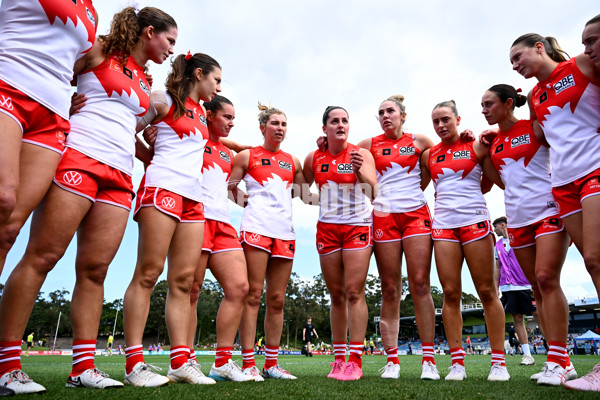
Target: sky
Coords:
[[304, 56]]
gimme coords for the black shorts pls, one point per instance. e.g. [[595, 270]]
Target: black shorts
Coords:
[[29, 344], [518, 302], [308, 338]]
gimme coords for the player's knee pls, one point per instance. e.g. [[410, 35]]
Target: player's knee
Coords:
[[390, 293], [592, 262], [8, 201], [355, 296], [253, 298], [8, 236], [275, 303], [547, 282], [96, 273], [42, 260], [420, 287], [487, 294], [338, 297], [194, 294], [148, 276], [452, 296], [237, 293], [182, 283]]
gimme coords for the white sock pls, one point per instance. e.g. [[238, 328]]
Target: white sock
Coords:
[[525, 348]]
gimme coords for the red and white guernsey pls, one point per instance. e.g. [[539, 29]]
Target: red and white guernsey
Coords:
[[178, 151], [524, 166], [341, 199], [216, 171], [105, 128], [456, 174], [40, 40], [567, 106], [398, 174], [269, 180]]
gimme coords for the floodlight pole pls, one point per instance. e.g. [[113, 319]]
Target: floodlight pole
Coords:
[[115, 325], [56, 333]]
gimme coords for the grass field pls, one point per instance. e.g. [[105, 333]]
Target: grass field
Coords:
[[52, 371]]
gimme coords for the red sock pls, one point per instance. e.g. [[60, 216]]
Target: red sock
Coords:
[[498, 357], [83, 356], [392, 355], [428, 353], [133, 355], [179, 356], [248, 359], [10, 356], [557, 352], [271, 353], [356, 349], [339, 350], [223, 356], [192, 355], [458, 356]]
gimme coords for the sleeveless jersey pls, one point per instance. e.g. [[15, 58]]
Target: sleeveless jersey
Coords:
[[398, 174], [105, 128], [216, 171], [567, 106], [39, 43], [178, 151], [456, 174], [341, 199], [269, 180], [524, 166]]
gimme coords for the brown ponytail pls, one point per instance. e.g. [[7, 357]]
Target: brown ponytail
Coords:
[[181, 78]]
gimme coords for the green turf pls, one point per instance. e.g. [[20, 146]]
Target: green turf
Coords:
[[51, 371]]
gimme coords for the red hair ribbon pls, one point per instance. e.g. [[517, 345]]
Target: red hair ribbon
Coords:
[[188, 55], [519, 90]]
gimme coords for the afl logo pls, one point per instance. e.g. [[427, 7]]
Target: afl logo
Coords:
[[72, 178], [255, 237], [168, 202], [378, 233]]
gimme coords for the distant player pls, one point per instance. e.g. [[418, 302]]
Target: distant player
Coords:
[[109, 345], [29, 342], [307, 334]]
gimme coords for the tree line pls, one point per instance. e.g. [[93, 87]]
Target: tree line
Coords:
[[304, 298]]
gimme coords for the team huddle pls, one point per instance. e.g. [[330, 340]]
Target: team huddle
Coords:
[[69, 162]]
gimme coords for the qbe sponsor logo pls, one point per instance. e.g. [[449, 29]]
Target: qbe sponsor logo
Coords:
[[168, 202], [461, 155], [344, 169], [72, 178], [90, 16], [224, 156], [519, 140], [144, 87], [407, 151], [564, 83], [285, 165]]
